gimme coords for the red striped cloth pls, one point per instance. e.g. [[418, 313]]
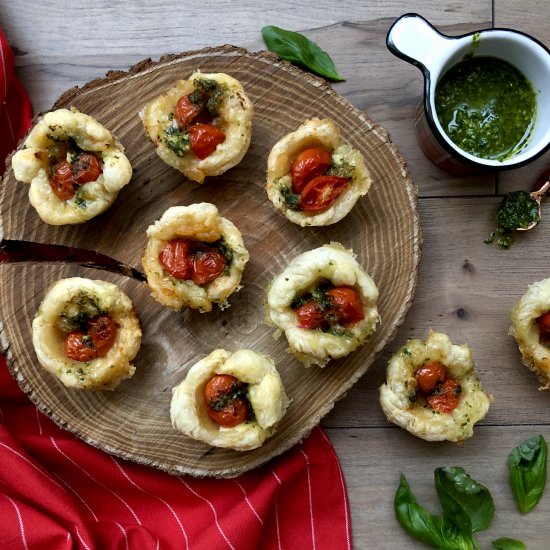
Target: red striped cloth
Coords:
[[57, 492], [15, 107]]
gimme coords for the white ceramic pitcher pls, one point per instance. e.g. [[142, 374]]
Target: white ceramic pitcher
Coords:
[[416, 41]]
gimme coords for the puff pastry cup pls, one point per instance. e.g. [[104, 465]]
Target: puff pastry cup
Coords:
[[345, 162], [421, 413], [261, 386], [70, 308], [200, 226], [531, 330], [209, 99], [56, 161], [310, 277]]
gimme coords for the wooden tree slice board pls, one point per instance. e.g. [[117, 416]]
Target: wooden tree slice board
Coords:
[[133, 421]]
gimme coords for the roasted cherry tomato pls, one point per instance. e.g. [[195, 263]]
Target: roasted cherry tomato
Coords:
[[428, 376], [204, 138], [177, 259], [102, 331], [346, 304], [86, 168], [186, 111], [208, 264], [309, 164], [446, 397], [543, 322], [79, 347], [310, 315], [221, 407], [320, 192], [63, 183]]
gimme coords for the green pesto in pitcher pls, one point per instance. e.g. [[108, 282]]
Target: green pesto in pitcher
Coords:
[[487, 107]]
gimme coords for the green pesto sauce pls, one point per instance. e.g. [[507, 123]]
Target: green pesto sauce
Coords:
[[518, 209], [486, 106]]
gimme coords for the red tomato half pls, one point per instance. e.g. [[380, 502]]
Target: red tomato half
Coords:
[[428, 376], [102, 330], [447, 398], [320, 192], [63, 184], [176, 258], [543, 322], [220, 408], [309, 164], [186, 111], [346, 304], [310, 315], [204, 138], [208, 265], [86, 168], [79, 347]]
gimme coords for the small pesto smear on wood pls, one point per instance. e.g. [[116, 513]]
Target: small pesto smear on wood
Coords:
[[487, 107], [518, 210]]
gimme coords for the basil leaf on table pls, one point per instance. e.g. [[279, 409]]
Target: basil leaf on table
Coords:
[[298, 49], [505, 543], [464, 501], [527, 465], [433, 530]]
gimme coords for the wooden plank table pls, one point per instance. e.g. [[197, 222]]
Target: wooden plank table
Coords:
[[465, 287]]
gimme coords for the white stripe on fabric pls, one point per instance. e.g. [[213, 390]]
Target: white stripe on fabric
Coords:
[[4, 70], [124, 533], [134, 515], [277, 528], [80, 537], [343, 486], [23, 457], [40, 432], [8, 118], [213, 511], [20, 521], [68, 486], [248, 501], [310, 498], [173, 512]]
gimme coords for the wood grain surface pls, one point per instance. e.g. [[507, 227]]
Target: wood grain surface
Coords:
[[465, 287], [387, 242]]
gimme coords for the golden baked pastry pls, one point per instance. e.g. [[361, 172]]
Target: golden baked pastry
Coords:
[[432, 389], [325, 304], [74, 165], [531, 328], [194, 258], [86, 333], [232, 400], [313, 176], [201, 127]]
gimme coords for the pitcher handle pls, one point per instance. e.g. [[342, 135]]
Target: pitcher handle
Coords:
[[415, 40]]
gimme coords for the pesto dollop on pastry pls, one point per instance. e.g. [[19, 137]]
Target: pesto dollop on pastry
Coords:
[[87, 333], [232, 400], [202, 126], [531, 329], [74, 165], [313, 176], [432, 389], [194, 257], [325, 303]]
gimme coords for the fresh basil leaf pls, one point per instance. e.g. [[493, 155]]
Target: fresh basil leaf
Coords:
[[505, 543], [298, 49], [464, 501], [426, 527], [527, 465]]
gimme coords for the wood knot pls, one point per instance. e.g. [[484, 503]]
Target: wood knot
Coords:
[[468, 266], [461, 313]]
